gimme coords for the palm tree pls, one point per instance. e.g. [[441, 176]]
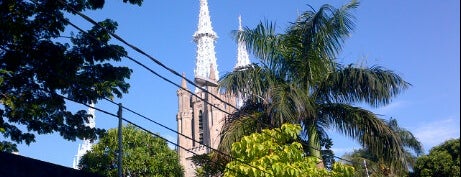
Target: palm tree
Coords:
[[297, 80]]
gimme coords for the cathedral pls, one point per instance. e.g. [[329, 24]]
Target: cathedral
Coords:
[[197, 120]]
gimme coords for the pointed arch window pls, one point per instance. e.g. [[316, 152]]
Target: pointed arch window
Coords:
[[200, 126]]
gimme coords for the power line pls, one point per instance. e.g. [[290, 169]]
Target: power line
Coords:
[[153, 121], [139, 63], [162, 77], [157, 74], [177, 85], [143, 53], [134, 124], [169, 81], [148, 131], [207, 146]]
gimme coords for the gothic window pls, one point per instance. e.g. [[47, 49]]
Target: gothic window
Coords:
[[200, 126]]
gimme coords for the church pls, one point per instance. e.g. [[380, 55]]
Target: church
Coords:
[[201, 116]]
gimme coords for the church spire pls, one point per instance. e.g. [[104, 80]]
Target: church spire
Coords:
[[205, 38], [86, 144], [242, 61], [242, 54]]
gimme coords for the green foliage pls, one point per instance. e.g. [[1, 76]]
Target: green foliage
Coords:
[[6, 146], [442, 161], [143, 155], [276, 153], [39, 60]]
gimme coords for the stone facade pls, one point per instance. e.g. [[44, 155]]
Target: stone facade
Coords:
[[200, 123]]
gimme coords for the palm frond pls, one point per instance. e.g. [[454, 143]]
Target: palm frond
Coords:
[[408, 139], [375, 85], [362, 125], [314, 40], [261, 41], [324, 31], [252, 82]]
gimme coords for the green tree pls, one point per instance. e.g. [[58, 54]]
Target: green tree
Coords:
[[276, 153], [298, 80], [143, 155], [442, 160], [40, 59], [375, 163]]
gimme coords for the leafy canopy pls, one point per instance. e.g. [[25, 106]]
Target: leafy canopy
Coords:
[[275, 152], [39, 61], [442, 160], [143, 155]]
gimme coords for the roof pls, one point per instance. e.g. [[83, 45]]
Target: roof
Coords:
[[20, 166]]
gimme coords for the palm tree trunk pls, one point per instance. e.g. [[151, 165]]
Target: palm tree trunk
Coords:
[[314, 143]]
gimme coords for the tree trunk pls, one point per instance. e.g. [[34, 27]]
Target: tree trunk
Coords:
[[314, 144]]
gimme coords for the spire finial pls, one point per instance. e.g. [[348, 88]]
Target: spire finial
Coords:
[[240, 23]]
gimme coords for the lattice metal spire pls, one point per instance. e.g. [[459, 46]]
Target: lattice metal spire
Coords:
[[205, 38], [86, 144], [242, 55]]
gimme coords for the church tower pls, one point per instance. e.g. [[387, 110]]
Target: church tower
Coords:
[[196, 118], [86, 144]]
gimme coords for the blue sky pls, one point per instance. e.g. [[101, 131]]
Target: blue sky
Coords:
[[419, 40]]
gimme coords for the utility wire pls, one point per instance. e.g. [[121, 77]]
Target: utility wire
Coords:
[[162, 77], [169, 81], [220, 152], [153, 121], [153, 72], [153, 59], [207, 146], [148, 131], [177, 85], [142, 52], [139, 63]]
